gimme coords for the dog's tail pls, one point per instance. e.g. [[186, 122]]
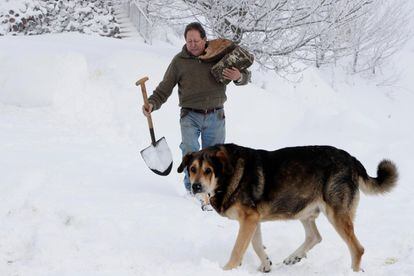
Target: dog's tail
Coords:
[[387, 176]]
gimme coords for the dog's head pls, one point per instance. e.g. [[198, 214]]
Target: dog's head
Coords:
[[205, 168]]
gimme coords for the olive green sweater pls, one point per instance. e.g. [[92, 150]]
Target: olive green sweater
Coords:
[[197, 88]]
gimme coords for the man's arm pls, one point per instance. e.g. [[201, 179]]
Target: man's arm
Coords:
[[238, 77], [164, 88], [244, 79]]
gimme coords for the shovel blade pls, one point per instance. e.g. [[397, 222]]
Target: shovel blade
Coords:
[[158, 157]]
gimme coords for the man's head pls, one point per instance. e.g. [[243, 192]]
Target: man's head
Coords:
[[195, 38]]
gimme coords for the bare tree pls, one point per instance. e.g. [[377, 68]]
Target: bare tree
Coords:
[[280, 32], [379, 33]]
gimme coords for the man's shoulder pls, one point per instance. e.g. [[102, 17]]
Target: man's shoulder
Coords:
[[180, 57], [177, 56]]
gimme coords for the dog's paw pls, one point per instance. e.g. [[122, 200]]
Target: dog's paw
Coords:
[[293, 259], [266, 266], [229, 266], [206, 207]]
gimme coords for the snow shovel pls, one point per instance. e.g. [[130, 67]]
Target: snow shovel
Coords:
[[158, 155]]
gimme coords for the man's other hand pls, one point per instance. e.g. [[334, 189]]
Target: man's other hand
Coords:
[[232, 74], [147, 109]]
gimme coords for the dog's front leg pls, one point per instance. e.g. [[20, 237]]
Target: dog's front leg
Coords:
[[259, 249], [247, 228]]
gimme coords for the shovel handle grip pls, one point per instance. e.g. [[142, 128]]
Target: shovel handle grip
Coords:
[[141, 82]]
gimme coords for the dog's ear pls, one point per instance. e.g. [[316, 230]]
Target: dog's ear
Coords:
[[185, 162], [224, 160]]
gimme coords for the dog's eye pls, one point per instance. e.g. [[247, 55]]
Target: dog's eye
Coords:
[[207, 171], [193, 169]]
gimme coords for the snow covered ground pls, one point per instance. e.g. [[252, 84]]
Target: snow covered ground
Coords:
[[77, 199]]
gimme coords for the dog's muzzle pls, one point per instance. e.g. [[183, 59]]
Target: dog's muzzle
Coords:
[[197, 188]]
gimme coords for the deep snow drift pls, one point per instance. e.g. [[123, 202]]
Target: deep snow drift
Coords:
[[77, 199]]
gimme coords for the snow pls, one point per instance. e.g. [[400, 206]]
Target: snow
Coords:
[[49, 16], [76, 198]]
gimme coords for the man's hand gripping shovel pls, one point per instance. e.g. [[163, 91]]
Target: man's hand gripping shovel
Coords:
[[158, 155]]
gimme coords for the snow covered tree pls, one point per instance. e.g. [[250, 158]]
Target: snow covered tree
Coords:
[[379, 33], [43, 16], [280, 32]]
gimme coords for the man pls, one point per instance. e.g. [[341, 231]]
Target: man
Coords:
[[201, 97]]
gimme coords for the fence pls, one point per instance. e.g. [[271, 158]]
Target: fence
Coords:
[[138, 18]]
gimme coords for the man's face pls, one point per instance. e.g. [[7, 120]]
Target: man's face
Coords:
[[194, 43]]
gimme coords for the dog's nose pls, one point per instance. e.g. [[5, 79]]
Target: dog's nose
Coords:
[[197, 188]]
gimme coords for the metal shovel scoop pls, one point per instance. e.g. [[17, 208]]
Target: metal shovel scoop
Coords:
[[158, 155]]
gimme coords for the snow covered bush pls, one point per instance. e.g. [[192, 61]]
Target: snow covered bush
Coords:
[[285, 34], [31, 17]]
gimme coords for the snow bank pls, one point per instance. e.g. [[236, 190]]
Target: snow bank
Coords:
[[77, 199], [41, 80]]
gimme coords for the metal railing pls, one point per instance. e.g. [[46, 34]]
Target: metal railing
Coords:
[[138, 18]]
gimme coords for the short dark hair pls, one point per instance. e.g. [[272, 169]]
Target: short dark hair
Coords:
[[195, 26]]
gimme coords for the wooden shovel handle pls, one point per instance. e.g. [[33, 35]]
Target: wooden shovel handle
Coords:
[[141, 82]]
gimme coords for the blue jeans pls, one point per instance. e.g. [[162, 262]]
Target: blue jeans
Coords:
[[211, 128]]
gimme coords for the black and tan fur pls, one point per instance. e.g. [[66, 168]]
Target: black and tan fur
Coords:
[[252, 186]]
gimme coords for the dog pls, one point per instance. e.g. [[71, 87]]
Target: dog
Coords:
[[252, 186]]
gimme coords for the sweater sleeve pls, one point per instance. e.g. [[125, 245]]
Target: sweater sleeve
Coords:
[[245, 78], [165, 87]]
